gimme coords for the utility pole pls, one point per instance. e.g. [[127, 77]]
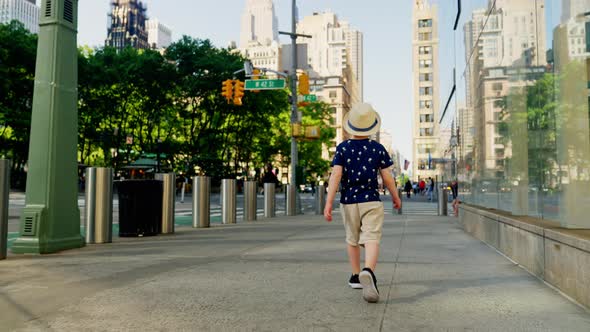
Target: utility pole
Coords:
[[294, 111]]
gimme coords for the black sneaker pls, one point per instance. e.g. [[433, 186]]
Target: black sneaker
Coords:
[[369, 282], [354, 282]]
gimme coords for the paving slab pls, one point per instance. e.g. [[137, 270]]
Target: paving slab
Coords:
[[280, 274]]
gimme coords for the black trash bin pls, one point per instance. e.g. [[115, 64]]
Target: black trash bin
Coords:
[[140, 207]]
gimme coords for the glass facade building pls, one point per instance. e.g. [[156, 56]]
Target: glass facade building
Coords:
[[515, 79]]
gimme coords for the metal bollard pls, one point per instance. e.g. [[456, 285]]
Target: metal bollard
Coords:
[[291, 203], [228, 201], [99, 205], [182, 190], [250, 200], [4, 195], [442, 201], [269, 200], [168, 201], [201, 201], [320, 200]]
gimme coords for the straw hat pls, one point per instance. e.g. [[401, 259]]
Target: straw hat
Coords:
[[362, 120]]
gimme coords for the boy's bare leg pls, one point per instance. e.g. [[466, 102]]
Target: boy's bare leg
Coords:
[[371, 255], [354, 257]]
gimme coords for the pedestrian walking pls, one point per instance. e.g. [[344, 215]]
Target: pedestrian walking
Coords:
[[455, 193], [408, 188], [422, 187], [356, 164], [430, 188]]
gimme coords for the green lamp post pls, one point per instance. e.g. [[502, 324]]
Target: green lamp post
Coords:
[[51, 220]]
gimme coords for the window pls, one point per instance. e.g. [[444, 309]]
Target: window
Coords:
[[497, 86], [424, 36], [426, 91], [426, 77], [425, 23], [425, 148], [426, 118], [425, 50], [499, 153], [425, 104], [333, 94], [425, 63], [423, 164], [496, 116], [426, 132]]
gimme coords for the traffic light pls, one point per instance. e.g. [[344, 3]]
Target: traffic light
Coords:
[[303, 84], [227, 90], [255, 76], [238, 92]]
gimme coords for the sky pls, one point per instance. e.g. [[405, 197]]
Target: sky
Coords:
[[386, 26]]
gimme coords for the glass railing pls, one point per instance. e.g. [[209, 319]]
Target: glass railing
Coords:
[[515, 92]]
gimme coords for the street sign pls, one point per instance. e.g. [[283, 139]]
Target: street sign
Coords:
[[310, 98], [265, 84]]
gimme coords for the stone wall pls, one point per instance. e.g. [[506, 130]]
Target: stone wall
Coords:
[[557, 255]]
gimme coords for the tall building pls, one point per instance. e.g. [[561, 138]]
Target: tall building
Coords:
[[159, 35], [506, 50], [334, 45], [355, 48], [126, 26], [259, 40], [572, 8], [570, 35], [259, 23], [24, 11], [335, 62], [426, 89]]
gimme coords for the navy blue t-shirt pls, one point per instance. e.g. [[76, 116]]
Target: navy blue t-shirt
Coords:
[[361, 161]]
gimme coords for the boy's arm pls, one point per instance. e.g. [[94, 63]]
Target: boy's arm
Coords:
[[332, 187], [389, 182]]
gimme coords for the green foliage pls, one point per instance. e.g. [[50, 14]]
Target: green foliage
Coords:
[[17, 71], [170, 104], [310, 152], [553, 104]]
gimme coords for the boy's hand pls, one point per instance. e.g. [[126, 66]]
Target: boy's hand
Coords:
[[397, 202], [328, 212]]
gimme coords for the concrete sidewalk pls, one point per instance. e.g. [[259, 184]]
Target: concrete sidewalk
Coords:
[[283, 274]]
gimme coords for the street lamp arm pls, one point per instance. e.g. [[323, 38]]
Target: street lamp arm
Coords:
[[294, 34], [264, 70]]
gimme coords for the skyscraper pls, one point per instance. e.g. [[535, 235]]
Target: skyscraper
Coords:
[[159, 35], [334, 58], [506, 35], [334, 45], [355, 49], [127, 25], [426, 89], [24, 11], [572, 8], [259, 40], [259, 23]]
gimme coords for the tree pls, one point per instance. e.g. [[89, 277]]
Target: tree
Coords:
[[18, 48]]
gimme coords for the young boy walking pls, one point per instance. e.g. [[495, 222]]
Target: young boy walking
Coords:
[[357, 163]]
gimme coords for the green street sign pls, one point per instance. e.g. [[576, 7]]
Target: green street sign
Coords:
[[265, 84], [310, 98]]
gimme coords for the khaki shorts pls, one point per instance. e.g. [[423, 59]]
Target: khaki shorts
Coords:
[[363, 222]]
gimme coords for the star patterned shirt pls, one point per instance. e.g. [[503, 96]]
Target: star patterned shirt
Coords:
[[361, 161]]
